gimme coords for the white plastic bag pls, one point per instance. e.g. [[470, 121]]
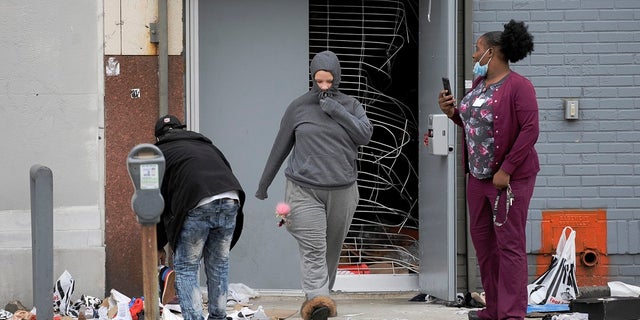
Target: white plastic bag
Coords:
[[168, 315], [123, 311], [62, 291], [571, 316], [558, 284], [621, 289]]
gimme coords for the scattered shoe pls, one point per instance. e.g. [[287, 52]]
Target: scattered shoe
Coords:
[[243, 314], [421, 297], [473, 314], [479, 298], [14, 306], [22, 315], [5, 315], [167, 280]]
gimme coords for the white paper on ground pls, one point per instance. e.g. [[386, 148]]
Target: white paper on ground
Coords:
[[168, 315], [621, 289], [240, 293]]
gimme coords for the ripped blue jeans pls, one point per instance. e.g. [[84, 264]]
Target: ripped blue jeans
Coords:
[[206, 234]]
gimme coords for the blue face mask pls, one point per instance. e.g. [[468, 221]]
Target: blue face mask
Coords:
[[479, 70]]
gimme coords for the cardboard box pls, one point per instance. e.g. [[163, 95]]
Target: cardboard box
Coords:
[[609, 308]]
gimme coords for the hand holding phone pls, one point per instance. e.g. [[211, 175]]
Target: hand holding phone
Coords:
[[447, 86], [447, 105]]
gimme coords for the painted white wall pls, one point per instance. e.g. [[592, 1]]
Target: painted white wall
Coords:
[[127, 31], [51, 113]]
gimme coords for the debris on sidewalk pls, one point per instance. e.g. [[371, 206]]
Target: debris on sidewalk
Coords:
[[118, 306], [466, 300], [240, 305], [62, 291], [239, 294]]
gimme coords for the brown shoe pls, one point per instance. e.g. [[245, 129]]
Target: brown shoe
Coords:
[[479, 298], [167, 279], [473, 315], [318, 308]]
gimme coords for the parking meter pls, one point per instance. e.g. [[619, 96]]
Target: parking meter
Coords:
[[145, 164]]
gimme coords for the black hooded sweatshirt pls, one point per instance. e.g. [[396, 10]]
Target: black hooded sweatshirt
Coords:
[[194, 169]]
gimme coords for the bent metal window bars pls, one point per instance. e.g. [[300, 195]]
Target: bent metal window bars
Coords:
[[377, 46]]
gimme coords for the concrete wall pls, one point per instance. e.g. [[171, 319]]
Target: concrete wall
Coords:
[[588, 50], [51, 106]]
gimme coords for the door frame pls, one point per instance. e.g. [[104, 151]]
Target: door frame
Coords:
[[437, 262], [438, 33]]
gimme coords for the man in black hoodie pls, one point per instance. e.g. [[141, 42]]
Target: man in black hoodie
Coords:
[[202, 216]]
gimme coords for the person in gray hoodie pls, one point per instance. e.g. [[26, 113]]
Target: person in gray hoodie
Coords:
[[321, 130]]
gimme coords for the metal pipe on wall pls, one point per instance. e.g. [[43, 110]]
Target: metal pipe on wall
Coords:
[[163, 58], [472, 261]]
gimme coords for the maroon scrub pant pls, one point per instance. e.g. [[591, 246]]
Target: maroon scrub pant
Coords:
[[501, 250]]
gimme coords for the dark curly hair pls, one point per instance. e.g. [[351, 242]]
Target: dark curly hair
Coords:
[[515, 42]]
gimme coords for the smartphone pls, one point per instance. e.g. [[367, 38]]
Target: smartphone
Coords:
[[447, 85]]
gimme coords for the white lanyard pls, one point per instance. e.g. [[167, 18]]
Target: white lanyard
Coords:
[[509, 203]]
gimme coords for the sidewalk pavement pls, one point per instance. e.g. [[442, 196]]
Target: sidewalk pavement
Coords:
[[365, 306]]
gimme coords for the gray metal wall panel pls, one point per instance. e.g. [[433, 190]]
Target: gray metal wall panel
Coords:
[[437, 218], [254, 59]]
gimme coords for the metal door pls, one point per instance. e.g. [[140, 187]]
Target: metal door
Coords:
[[252, 61], [437, 173]]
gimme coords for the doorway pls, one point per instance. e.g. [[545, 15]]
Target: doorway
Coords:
[[253, 59], [377, 44]]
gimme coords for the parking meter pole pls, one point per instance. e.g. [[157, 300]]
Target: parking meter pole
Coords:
[[145, 164], [150, 272]]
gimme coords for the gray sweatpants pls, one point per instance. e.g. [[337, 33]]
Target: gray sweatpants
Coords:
[[319, 220]]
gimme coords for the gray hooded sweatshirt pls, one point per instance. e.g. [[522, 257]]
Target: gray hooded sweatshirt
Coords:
[[324, 129]]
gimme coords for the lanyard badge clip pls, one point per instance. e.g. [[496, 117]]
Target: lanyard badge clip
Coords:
[[508, 204]]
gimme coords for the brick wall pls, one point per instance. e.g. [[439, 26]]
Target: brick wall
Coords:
[[588, 50]]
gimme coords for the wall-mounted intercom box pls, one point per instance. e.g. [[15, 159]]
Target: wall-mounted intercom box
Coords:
[[438, 135]]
